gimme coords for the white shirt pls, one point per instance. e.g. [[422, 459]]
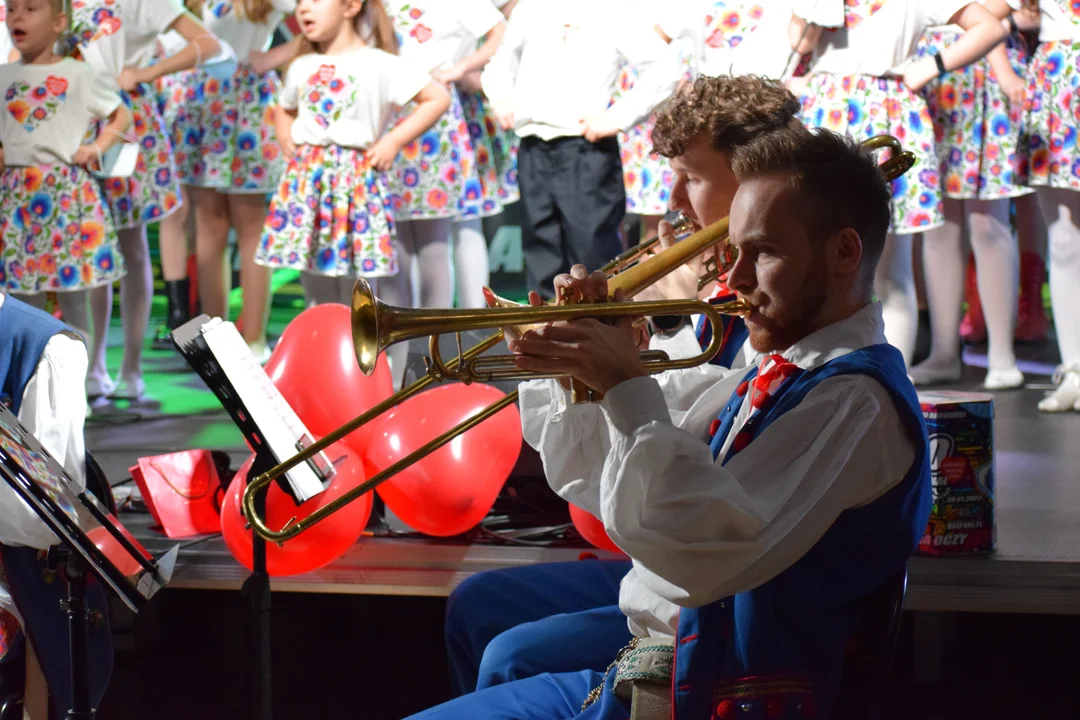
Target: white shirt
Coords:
[[434, 34], [880, 43], [227, 24], [44, 102], [5, 40], [559, 61], [54, 411], [1059, 20], [346, 99], [733, 38], [119, 34], [699, 531]]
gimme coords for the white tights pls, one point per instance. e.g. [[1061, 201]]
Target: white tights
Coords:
[[1061, 210], [136, 294], [997, 266], [471, 271], [894, 285]]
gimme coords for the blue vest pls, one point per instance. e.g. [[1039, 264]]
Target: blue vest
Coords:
[[735, 335], [777, 651], [24, 333]]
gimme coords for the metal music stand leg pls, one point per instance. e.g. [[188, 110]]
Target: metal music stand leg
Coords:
[[78, 628], [257, 588]]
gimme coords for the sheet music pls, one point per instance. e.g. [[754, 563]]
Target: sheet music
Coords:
[[280, 425]]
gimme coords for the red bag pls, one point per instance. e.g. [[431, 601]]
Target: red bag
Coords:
[[182, 491]]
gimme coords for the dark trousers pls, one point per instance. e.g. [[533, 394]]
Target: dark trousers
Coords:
[[573, 201]]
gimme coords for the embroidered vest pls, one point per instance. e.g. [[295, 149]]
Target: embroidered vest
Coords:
[[24, 333], [777, 651]]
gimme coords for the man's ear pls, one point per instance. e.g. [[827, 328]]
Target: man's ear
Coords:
[[846, 252]]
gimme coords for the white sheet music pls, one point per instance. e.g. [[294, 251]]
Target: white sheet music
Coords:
[[277, 421]]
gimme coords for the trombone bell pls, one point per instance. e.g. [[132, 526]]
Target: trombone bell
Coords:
[[365, 326]]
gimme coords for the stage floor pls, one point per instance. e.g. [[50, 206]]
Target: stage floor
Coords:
[[1036, 568]]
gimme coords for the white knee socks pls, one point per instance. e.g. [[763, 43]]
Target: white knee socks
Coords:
[[471, 271]]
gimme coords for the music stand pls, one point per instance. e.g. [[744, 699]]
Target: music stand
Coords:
[[91, 539], [216, 351]]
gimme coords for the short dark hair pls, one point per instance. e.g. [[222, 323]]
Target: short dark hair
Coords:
[[732, 110], [837, 181]]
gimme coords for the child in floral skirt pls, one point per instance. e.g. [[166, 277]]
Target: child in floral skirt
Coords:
[[56, 234], [976, 112], [865, 82], [331, 215], [1053, 169]]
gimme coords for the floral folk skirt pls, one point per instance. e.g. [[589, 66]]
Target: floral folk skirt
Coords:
[[152, 193], [976, 129], [435, 176], [55, 231], [862, 107], [331, 216], [1052, 116], [496, 154]]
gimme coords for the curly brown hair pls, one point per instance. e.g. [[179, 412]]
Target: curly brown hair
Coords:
[[732, 110]]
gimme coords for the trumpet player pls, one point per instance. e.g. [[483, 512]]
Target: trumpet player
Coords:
[[760, 509], [569, 618]]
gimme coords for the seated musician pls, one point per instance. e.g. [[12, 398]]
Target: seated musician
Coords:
[[42, 381], [760, 508], [569, 617]]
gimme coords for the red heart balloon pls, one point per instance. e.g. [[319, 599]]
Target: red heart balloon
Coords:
[[324, 542], [314, 367], [592, 529], [451, 490]]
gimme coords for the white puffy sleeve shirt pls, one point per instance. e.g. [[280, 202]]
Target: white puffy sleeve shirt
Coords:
[[697, 530], [879, 38], [54, 411]]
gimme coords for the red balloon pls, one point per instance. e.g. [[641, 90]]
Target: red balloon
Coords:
[[592, 529], [451, 490], [324, 542], [315, 369]]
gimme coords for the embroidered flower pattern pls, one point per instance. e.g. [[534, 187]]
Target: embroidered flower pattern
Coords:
[[729, 23], [94, 19], [31, 106], [220, 8], [407, 22], [856, 11], [328, 95]]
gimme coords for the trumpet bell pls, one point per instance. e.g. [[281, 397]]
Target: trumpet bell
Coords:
[[366, 326]]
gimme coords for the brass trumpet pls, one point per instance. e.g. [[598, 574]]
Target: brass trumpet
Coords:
[[376, 326]]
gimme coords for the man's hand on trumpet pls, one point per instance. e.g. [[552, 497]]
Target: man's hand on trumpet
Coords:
[[601, 355]]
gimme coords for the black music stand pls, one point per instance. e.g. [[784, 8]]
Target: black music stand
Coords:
[[81, 523], [191, 342]]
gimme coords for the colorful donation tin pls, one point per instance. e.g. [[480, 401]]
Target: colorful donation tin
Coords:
[[961, 429]]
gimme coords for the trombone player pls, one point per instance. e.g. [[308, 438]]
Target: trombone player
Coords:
[[760, 508]]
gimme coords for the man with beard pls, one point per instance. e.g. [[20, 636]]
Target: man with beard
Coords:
[[760, 509], [519, 622]]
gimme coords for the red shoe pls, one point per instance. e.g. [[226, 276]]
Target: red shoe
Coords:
[[1032, 325], [973, 326]]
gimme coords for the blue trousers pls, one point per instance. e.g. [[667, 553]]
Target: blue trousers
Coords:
[[38, 598], [543, 697], [506, 625]]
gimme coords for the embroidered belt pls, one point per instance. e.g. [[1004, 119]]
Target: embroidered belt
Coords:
[[643, 672]]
